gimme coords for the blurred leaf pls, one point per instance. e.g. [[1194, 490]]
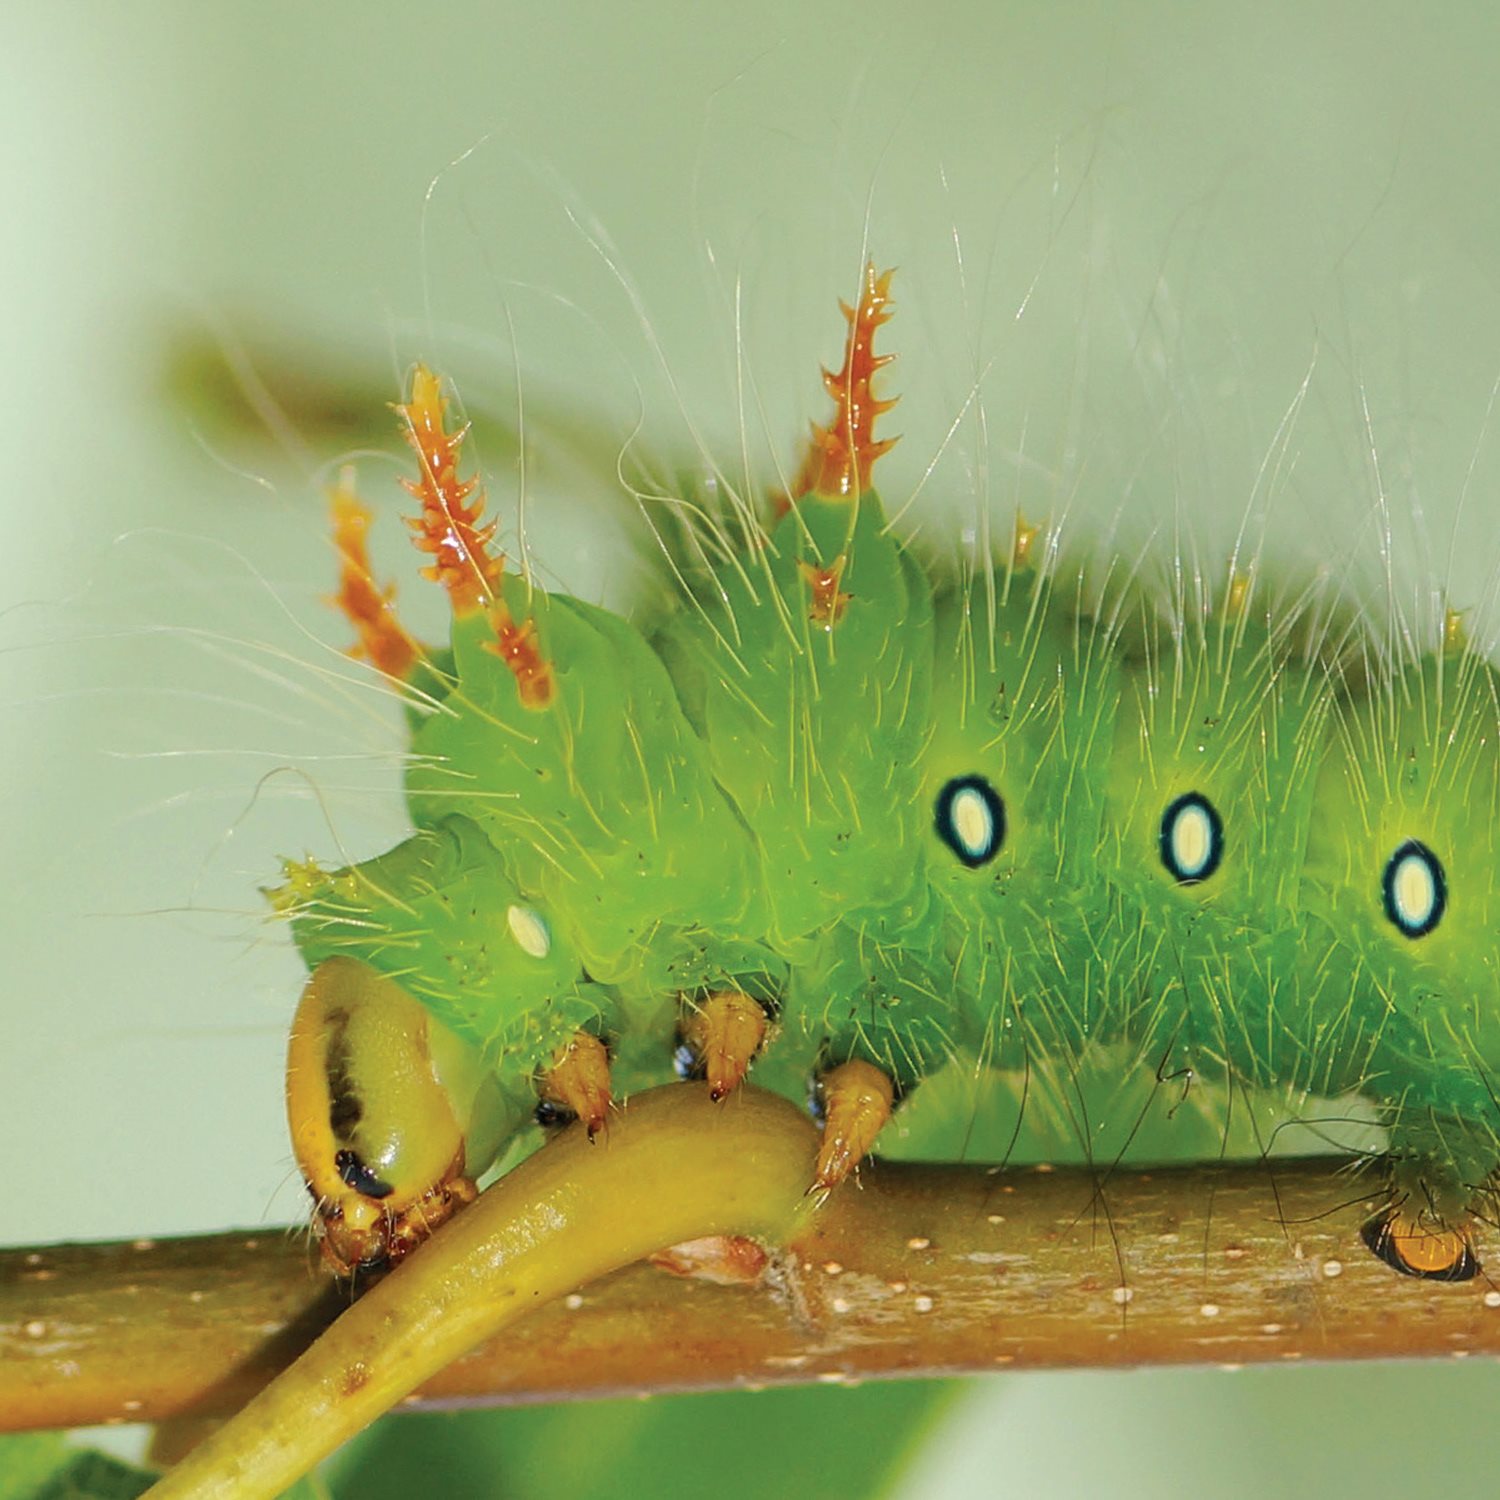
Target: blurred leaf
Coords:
[[45, 1466], [818, 1443]]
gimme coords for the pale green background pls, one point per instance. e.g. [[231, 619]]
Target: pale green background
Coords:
[[1170, 218]]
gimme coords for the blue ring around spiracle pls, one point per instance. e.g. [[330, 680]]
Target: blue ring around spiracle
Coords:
[[1198, 801], [1414, 849], [947, 828]]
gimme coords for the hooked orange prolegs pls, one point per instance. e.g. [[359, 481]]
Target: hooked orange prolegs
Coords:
[[857, 1101], [578, 1081], [725, 1031]]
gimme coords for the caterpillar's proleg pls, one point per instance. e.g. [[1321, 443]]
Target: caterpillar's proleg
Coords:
[[724, 1031], [577, 1080], [857, 1101], [1416, 1244]]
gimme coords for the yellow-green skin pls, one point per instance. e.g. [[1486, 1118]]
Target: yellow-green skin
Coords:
[[750, 798]]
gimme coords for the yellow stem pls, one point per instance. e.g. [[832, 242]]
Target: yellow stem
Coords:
[[674, 1166]]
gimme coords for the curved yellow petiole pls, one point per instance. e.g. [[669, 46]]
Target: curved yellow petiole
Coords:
[[674, 1166]]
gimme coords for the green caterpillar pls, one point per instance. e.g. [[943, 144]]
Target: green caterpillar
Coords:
[[832, 817]]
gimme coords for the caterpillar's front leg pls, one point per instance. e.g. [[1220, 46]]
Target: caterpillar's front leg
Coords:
[[720, 1037]]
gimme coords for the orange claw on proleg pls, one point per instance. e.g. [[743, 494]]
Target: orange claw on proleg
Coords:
[[578, 1080], [857, 1101], [725, 1031]]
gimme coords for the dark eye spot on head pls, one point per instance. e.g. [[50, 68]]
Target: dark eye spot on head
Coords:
[[1414, 889], [357, 1175], [1192, 839], [969, 817]]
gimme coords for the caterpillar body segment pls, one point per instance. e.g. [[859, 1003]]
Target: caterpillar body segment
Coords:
[[831, 817], [1412, 789], [438, 916], [1234, 863], [600, 804], [1218, 737], [1013, 777]]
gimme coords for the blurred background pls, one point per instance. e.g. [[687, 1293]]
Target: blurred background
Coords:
[[1182, 274]]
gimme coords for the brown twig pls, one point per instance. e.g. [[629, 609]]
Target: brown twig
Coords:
[[918, 1270]]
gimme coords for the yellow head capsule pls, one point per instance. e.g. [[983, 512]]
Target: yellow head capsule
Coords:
[[392, 1116]]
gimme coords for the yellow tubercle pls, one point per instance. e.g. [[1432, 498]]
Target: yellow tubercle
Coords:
[[1455, 636], [1237, 598], [1022, 543]]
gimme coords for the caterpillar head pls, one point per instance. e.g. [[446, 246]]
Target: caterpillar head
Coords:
[[392, 1117]]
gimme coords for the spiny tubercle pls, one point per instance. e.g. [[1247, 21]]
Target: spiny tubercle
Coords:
[[452, 530], [448, 526], [366, 604], [841, 456]]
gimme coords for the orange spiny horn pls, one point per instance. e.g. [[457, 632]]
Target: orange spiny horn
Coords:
[[367, 605], [841, 455], [449, 526]]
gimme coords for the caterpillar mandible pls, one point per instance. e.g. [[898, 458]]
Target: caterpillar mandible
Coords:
[[835, 820]]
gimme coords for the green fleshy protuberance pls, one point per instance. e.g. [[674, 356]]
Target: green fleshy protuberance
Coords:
[[437, 915], [600, 804], [814, 725]]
